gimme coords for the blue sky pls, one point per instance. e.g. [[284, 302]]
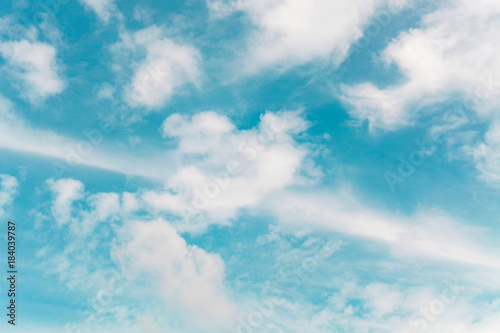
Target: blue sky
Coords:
[[252, 166]]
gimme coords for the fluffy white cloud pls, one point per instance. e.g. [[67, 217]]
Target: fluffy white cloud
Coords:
[[35, 64], [189, 278], [293, 32], [104, 9], [454, 51], [201, 133], [167, 67], [8, 191], [222, 169]]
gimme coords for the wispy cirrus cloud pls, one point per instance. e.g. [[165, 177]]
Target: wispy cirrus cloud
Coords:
[[428, 233], [19, 135]]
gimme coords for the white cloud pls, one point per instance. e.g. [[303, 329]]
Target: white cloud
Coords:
[[188, 277], [201, 133], [167, 67], [101, 207], [8, 191], [35, 64], [221, 169], [66, 192], [294, 32], [454, 51], [105, 9], [83, 212]]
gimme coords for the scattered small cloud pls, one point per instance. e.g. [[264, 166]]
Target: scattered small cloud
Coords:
[[36, 67]]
